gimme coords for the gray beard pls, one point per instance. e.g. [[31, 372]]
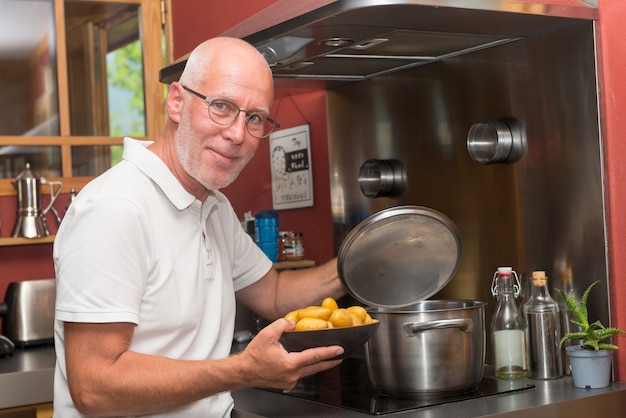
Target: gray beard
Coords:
[[191, 164]]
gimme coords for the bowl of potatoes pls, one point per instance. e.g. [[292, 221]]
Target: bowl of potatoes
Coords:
[[328, 324]]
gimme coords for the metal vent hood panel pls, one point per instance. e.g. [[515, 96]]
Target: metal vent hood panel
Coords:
[[351, 40]]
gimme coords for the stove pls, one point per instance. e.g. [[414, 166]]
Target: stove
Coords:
[[348, 386]]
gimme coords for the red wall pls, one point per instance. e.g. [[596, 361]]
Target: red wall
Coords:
[[194, 21], [613, 107], [24, 262], [253, 189]]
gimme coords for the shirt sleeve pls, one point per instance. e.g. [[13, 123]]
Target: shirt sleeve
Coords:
[[101, 260]]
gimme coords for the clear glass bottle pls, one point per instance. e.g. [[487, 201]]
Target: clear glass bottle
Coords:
[[543, 330], [507, 327]]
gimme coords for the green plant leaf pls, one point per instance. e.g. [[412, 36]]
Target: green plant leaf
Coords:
[[572, 336], [593, 334], [604, 346]]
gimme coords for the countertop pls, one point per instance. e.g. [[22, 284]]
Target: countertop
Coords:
[[348, 384], [27, 377], [549, 399]]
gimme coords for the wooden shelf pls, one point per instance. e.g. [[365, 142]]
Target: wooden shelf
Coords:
[[300, 264], [8, 242]]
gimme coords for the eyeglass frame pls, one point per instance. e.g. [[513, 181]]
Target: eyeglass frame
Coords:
[[248, 113]]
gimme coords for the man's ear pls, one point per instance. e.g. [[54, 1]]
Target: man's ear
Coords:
[[174, 101]]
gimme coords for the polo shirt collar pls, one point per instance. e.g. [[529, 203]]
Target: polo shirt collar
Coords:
[[137, 153]]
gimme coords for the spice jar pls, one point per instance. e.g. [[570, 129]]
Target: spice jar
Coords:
[[283, 236], [295, 247]]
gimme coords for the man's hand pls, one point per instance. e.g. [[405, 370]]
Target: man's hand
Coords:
[[270, 365]]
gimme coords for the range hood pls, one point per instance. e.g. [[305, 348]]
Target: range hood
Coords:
[[352, 40]]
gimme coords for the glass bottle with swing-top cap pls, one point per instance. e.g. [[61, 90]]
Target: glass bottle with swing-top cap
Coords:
[[507, 327]]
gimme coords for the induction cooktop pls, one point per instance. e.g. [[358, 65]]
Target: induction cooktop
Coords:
[[348, 386]]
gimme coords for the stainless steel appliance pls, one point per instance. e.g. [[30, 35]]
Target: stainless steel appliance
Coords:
[[28, 312]]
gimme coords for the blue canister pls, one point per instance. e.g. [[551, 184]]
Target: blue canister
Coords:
[[266, 232]]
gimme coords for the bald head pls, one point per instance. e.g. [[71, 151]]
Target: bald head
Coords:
[[221, 53]]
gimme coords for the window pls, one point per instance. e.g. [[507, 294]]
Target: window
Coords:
[[77, 76]]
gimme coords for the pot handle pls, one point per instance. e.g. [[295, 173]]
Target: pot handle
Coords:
[[412, 328]]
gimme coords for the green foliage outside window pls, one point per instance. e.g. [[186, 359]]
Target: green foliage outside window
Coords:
[[126, 98]]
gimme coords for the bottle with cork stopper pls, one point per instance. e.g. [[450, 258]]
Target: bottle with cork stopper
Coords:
[[543, 330]]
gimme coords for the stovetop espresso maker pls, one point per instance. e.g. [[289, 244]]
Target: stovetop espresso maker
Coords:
[[31, 218]]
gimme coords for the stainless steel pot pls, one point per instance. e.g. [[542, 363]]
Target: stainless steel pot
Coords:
[[432, 347]]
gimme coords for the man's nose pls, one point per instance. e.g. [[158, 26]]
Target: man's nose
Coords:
[[238, 128]]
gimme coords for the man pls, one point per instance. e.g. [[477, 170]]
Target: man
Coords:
[[151, 255]]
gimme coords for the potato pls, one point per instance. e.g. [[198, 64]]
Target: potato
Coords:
[[307, 324]]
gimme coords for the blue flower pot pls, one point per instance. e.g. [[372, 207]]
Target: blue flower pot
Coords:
[[590, 369]]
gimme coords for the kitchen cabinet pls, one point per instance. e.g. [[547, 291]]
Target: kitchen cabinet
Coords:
[[57, 78], [55, 112]]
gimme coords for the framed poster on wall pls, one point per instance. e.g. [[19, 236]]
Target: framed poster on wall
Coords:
[[292, 180]]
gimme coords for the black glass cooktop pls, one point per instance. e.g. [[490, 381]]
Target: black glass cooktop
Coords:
[[348, 386]]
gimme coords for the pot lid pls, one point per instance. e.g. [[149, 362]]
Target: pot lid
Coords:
[[399, 256]]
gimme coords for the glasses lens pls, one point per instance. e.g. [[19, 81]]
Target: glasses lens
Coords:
[[223, 112], [260, 126]]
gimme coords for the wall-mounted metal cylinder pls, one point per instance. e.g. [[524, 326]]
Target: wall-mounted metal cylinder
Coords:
[[378, 178], [493, 141]]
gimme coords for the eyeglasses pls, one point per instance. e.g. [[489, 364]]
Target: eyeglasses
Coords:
[[224, 112]]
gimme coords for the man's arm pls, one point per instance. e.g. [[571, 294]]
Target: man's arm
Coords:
[[276, 293], [105, 378]]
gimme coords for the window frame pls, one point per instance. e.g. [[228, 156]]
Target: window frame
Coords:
[[152, 20]]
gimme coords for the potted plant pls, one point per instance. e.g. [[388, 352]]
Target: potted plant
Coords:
[[591, 360]]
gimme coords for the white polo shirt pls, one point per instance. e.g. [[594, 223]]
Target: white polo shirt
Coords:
[[136, 247]]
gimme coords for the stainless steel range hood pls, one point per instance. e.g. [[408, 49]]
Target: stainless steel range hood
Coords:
[[352, 40]]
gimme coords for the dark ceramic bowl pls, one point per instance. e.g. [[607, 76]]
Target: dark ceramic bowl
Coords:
[[350, 338]]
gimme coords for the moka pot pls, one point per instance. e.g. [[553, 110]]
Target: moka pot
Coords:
[[31, 218]]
